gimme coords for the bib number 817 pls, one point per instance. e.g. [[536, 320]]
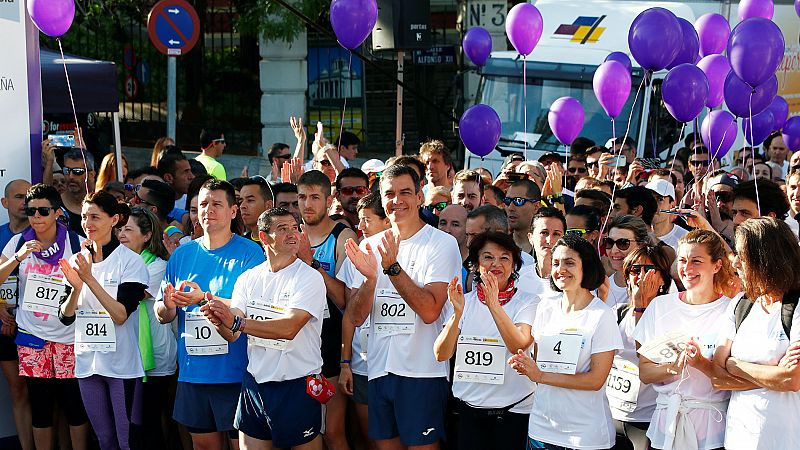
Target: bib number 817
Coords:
[[96, 329], [478, 358], [46, 293], [395, 310]]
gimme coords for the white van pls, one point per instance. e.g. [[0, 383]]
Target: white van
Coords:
[[577, 37]]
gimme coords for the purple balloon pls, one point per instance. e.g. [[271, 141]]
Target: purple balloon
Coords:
[[797, 7], [477, 45], [524, 27], [756, 8], [713, 31], [566, 119], [716, 67], [479, 129], [612, 87], [655, 38], [685, 91], [353, 20], [791, 134], [755, 50], [780, 111], [690, 45], [718, 131], [762, 127], [744, 101], [52, 17], [621, 58]]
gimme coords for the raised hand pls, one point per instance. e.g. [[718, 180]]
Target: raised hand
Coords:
[[84, 268], [193, 296], [28, 248], [304, 252], [70, 274], [455, 293], [297, 128], [491, 290], [647, 289], [364, 262], [169, 243], [169, 292], [390, 246]]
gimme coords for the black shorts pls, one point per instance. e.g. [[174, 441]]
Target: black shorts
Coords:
[[206, 408], [8, 349], [332, 342]]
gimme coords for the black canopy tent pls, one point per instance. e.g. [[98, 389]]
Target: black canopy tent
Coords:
[[94, 89]]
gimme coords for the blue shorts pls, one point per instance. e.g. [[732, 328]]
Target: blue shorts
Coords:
[[412, 408], [206, 408], [278, 411]]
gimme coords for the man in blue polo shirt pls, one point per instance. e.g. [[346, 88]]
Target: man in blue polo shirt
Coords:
[[210, 369]]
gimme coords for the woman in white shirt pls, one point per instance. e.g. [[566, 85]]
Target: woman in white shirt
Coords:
[[632, 402], [677, 334], [492, 323], [758, 347], [157, 343], [547, 227], [576, 338], [108, 280], [625, 234]]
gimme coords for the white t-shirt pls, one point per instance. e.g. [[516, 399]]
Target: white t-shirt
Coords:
[[673, 236], [568, 417], [123, 265], [759, 418], [478, 321], [44, 326], [181, 202], [617, 295], [165, 347], [429, 256], [527, 259], [646, 400], [297, 286], [793, 224], [358, 360], [668, 313], [530, 282]]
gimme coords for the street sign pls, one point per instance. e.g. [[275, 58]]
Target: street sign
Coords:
[[143, 72], [489, 14], [129, 57], [173, 27], [435, 56], [131, 87]]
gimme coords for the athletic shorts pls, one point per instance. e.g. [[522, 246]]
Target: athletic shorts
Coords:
[[331, 349], [54, 360], [360, 390], [411, 408], [278, 411], [8, 349], [206, 408]]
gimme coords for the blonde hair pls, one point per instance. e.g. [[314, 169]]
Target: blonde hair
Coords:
[[108, 171], [158, 149], [715, 246]]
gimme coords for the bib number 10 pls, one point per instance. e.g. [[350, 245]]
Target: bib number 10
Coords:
[[202, 332], [478, 358], [393, 310]]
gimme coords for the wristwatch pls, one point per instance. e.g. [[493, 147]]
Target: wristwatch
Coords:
[[393, 270], [315, 264], [557, 198]]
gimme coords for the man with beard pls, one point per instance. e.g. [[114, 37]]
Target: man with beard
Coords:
[[468, 189], [78, 167], [322, 246], [351, 184]]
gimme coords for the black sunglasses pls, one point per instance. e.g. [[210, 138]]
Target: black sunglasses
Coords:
[[577, 169], [622, 244], [699, 162], [43, 211], [357, 190], [637, 268], [519, 201], [75, 170], [724, 196], [589, 165]]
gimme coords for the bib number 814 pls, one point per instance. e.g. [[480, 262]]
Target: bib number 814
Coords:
[[96, 329], [478, 358], [394, 310]]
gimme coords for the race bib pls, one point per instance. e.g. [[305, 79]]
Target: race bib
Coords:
[[392, 314], [8, 291], [559, 353], [622, 385], [94, 331], [480, 359], [326, 313], [258, 310], [200, 337], [43, 293], [666, 348]]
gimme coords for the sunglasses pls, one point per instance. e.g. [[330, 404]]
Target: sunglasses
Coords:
[[75, 170], [576, 169], [576, 232], [622, 244], [43, 211], [132, 187], [699, 162], [519, 201], [724, 196], [218, 141], [357, 190], [437, 206], [287, 156], [590, 165], [638, 268]]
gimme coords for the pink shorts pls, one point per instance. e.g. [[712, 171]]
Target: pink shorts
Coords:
[[54, 360]]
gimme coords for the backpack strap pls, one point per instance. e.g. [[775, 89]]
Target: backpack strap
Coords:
[[74, 242], [788, 306], [621, 313], [742, 310], [20, 243]]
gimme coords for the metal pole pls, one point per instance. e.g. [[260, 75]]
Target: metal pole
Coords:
[[118, 146], [398, 143], [172, 76]]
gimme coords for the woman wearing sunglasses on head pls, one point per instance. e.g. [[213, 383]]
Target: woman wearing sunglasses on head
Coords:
[[646, 271], [625, 235], [44, 345], [676, 336], [108, 280], [576, 338], [489, 324]]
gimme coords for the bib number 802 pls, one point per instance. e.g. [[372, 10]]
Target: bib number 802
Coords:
[[478, 358], [96, 329], [394, 310]]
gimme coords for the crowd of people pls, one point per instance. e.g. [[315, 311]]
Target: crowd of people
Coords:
[[585, 303]]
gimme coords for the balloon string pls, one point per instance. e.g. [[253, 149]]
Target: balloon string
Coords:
[[344, 106], [75, 116], [753, 152], [525, 105], [672, 165]]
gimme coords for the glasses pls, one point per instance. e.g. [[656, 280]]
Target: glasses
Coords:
[[137, 199], [218, 141], [75, 170], [699, 162], [577, 169], [437, 206], [576, 232], [638, 268], [132, 187], [519, 201], [622, 244], [724, 196], [592, 164], [286, 156], [357, 190], [43, 211]]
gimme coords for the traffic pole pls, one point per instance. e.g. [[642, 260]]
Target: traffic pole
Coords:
[[172, 77]]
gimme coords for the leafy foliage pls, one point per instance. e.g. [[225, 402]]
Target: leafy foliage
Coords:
[[274, 22]]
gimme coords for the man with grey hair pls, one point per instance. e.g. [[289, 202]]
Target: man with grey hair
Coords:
[[490, 218], [78, 167]]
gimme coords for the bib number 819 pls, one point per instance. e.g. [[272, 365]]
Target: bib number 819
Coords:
[[478, 358], [96, 329], [395, 310]]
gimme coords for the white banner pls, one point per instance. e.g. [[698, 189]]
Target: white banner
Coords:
[[20, 96]]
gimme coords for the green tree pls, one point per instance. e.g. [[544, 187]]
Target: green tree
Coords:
[[274, 22]]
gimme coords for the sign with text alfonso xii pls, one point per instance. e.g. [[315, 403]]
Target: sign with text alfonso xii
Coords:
[[435, 56]]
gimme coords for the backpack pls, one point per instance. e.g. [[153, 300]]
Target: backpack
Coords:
[[788, 306]]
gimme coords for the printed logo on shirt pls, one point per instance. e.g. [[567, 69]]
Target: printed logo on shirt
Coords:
[[779, 335]]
